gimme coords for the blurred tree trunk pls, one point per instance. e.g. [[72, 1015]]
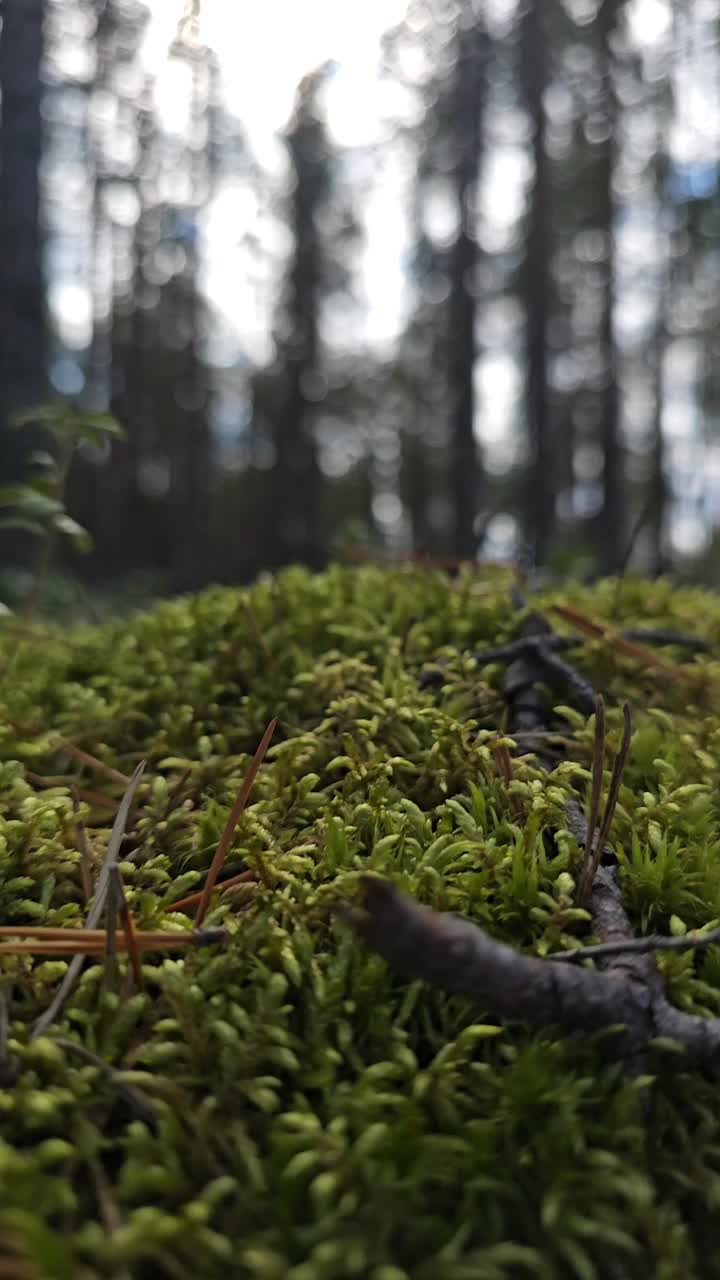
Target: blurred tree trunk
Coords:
[[540, 495], [294, 533], [657, 495], [466, 141], [23, 333], [610, 526]]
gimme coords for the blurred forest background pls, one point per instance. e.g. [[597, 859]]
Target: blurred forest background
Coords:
[[435, 276]]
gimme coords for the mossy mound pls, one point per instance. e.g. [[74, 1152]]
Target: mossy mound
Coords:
[[312, 1115]]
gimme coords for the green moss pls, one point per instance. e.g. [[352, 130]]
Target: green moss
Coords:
[[317, 1117]]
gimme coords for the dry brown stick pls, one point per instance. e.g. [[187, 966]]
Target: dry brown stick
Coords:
[[98, 766], [460, 958], [597, 772], [245, 877], [617, 641], [641, 946], [111, 910], [63, 933], [594, 848], [95, 913], [77, 944], [230, 825], [59, 780], [503, 763], [665, 635], [128, 927]]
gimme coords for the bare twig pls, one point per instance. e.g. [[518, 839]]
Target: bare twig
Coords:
[[95, 913], [642, 653], [581, 690], [128, 925], [641, 946], [503, 763], [111, 914], [523, 645], [663, 635], [95, 798], [192, 900], [597, 773], [230, 825], [594, 849], [98, 766], [458, 957], [93, 942]]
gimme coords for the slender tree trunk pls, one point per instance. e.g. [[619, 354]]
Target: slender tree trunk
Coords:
[[23, 332], [295, 531], [540, 498], [610, 526], [465, 465]]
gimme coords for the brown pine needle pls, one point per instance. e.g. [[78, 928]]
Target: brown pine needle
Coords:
[[89, 942], [128, 929], [640, 652], [231, 824], [597, 773], [503, 763], [98, 766], [593, 855], [111, 914], [245, 877], [94, 798]]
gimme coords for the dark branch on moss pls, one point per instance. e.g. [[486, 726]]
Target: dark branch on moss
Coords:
[[461, 959]]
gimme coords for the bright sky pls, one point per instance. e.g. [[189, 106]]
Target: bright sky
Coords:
[[264, 51]]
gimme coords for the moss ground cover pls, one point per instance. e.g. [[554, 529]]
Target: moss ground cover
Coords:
[[282, 1104]]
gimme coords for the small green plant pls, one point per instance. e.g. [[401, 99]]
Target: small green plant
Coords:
[[37, 506]]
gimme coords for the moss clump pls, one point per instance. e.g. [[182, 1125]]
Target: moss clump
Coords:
[[310, 1115]]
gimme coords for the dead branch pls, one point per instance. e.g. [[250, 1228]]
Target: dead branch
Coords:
[[460, 958], [642, 946]]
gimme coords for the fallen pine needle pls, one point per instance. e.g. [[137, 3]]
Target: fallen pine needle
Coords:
[[128, 925], [90, 942], [617, 641], [231, 824], [98, 766], [245, 877]]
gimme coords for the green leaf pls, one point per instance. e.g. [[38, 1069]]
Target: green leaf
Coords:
[[69, 423], [11, 494], [41, 458], [17, 522], [79, 537], [29, 502]]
